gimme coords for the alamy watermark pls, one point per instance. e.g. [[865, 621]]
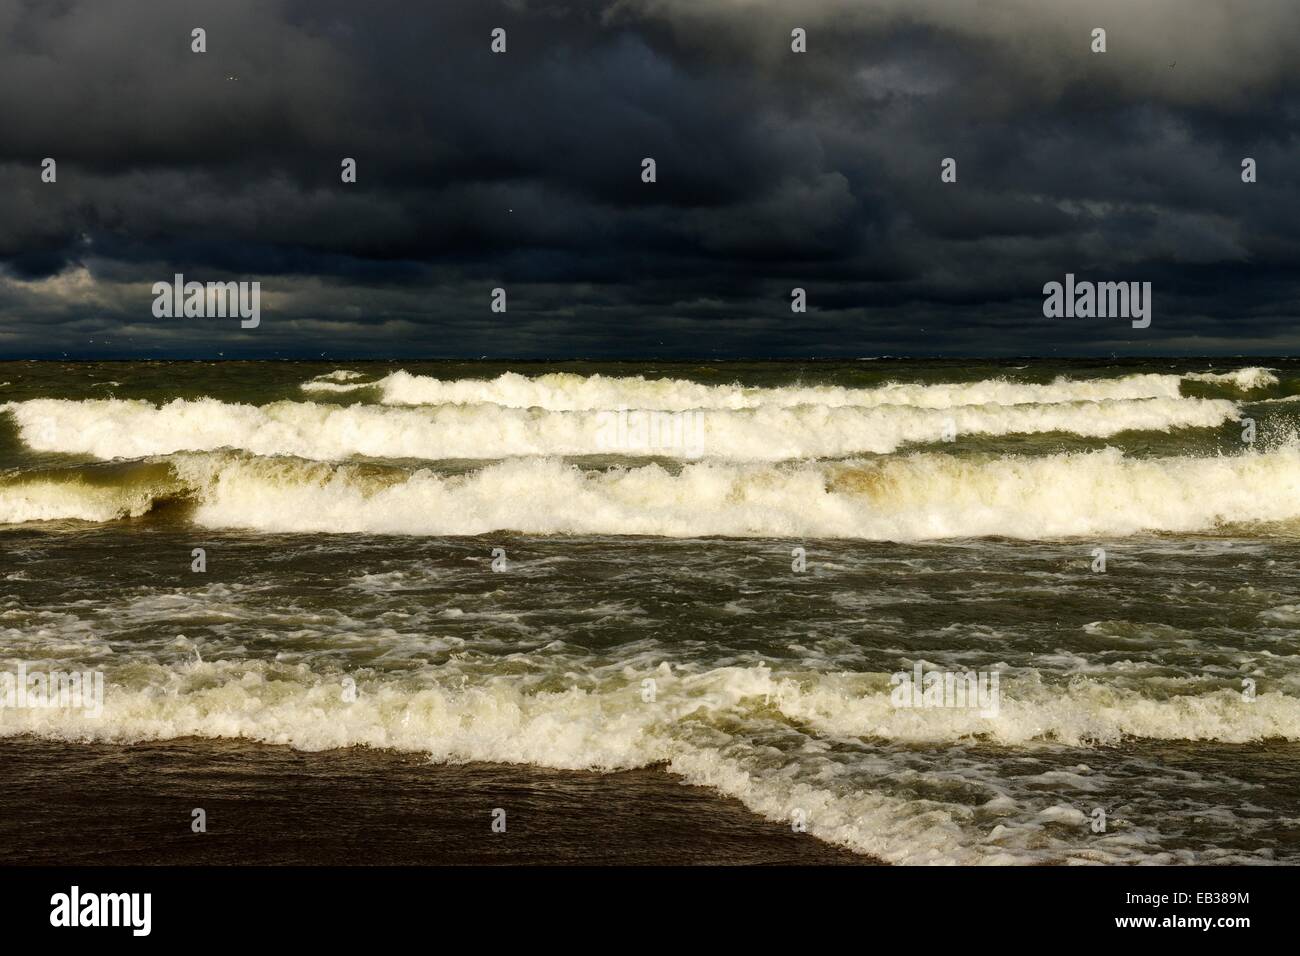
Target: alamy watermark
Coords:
[[958, 690], [1098, 300], [212, 300], [641, 430], [52, 690], [75, 908]]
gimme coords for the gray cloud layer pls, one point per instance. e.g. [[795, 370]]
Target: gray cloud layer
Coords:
[[776, 170]]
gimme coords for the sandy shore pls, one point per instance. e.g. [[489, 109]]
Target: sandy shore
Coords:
[[93, 804]]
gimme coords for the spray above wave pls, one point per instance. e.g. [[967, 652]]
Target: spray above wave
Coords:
[[340, 380], [112, 428], [571, 392], [910, 498], [1244, 379]]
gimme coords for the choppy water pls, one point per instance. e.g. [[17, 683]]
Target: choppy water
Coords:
[[949, 512]]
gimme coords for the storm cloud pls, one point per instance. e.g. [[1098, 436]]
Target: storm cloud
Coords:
[[522, 170]]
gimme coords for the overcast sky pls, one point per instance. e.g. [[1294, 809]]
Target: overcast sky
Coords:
[[523, 171]]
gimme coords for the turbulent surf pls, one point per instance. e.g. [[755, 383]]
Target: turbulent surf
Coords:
[[723, 570]]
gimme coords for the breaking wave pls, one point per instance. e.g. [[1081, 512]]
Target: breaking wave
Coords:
[[916, 497], [444, 669], [604, 725], [562, 391], [112, 428]]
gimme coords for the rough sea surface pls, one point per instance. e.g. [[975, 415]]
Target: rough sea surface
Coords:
[[719, 569]]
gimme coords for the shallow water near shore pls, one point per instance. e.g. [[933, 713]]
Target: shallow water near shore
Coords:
[[122, 805]]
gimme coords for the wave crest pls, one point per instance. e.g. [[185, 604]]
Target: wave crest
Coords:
[[917, 497], [563, 391], [114, 428], [606, 725]]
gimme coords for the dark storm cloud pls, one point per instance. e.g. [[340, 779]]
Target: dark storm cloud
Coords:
[[776, 170]]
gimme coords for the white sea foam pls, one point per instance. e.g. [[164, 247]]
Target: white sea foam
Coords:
[[917, 497], [569, 392], [132, 429], [340, 375], [706, 726], [901, 784], [1244, 379], [922, 496], [564, 391], [340, 380]]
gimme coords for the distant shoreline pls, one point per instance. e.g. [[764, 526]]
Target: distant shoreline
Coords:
[[111, 804], [1115, 359]]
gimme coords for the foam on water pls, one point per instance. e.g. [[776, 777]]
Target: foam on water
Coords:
[[569, 392], [923, 496], [772, 687], [111, 428], [1244, 379], [707, 726]]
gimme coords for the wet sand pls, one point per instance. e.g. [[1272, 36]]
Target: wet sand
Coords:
[[93, 804]]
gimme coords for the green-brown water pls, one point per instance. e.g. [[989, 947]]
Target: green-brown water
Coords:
[[648, 604]]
